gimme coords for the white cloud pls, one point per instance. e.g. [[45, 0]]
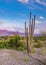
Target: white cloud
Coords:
[[36, 31], [43, 26], [30, 4], [6, 25], [40, 28], [24, 1], [41, 2], [41, 17], [38, 22]]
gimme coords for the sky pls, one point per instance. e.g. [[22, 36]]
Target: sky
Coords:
[[14, 13]]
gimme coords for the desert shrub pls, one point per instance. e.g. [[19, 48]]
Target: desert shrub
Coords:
[[33, 50], [38, 45], [26, 59], [13, 43], [20, 48], [2, 45], [36, 40], [16, 44], [42, 38]]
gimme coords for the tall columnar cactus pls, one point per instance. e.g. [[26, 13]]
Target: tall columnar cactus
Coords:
[[32, 27], [30, 32], [26, 37], [25, 29], [29, 39]]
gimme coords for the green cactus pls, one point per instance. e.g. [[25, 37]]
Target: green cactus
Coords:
[[25, 29], [29, 39], [32, 27]]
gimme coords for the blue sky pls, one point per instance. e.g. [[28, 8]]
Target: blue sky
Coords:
[[13, 13]]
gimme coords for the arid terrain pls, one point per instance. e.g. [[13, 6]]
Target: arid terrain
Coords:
[[13, 57]]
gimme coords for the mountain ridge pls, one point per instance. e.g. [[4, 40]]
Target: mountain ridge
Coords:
[[10, 33]]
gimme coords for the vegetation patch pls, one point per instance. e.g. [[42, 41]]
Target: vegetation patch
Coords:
[[26, 59], [13, 43], [33, 50]]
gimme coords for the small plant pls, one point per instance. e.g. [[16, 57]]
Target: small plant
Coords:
[[26, 59], [20, 49], [33, 50]]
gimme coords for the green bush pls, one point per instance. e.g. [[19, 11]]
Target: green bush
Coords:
[[38, 45], [13, 43], [36, 40], [16, 44], [20, 48], [33, 50], [26, 59]]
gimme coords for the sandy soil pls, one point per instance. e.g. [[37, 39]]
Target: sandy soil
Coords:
[[13, 57]]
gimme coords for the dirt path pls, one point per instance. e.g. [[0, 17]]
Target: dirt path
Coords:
[[13, 57]]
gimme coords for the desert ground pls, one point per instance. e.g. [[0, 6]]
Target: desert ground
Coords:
[[13, 57]]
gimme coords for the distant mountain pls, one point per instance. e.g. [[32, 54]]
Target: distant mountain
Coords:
[[6, 32], [36, 34], [10, 33]]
